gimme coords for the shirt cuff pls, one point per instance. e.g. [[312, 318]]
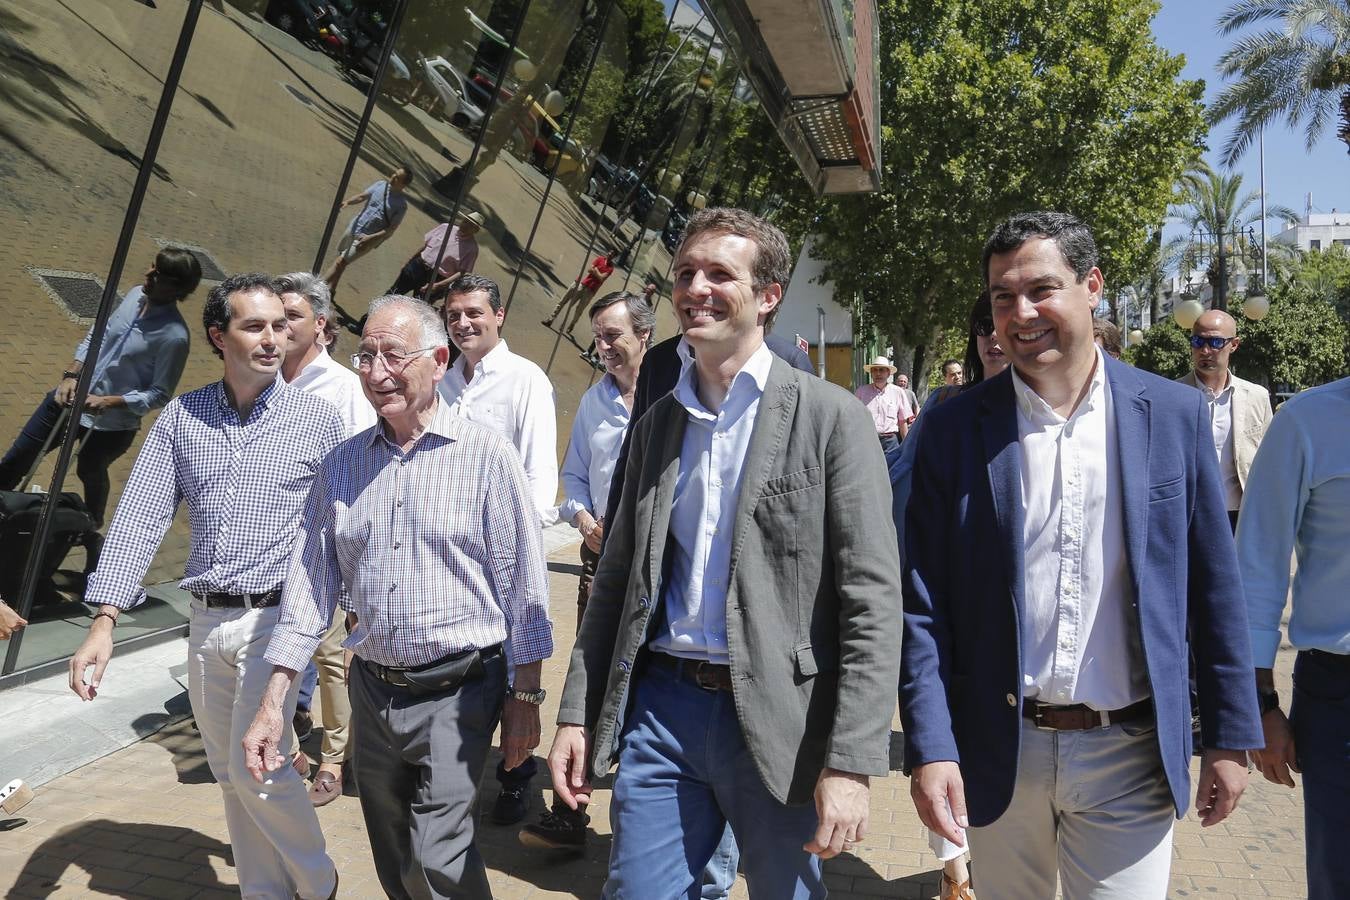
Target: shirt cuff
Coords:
[[530, 642], [569, 509], [1265, 646], [290, 650]]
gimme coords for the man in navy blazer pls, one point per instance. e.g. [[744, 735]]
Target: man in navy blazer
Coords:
[[1067, 535]]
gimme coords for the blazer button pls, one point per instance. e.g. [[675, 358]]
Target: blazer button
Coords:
[[644, 603], [1012, 701], [623, 665]]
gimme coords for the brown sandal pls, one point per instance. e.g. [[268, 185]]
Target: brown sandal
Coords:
[[952, 890]]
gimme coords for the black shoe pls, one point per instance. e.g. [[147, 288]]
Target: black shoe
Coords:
[[559, 828], [303, 723], [512, 806]]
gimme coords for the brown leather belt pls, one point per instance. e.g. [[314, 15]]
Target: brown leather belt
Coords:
[[709, 676], [1079, 717], [215, 599]]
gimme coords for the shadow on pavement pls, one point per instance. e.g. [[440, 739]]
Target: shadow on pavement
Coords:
[[120, 857]]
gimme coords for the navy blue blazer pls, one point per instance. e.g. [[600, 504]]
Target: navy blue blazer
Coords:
[[960, 681]]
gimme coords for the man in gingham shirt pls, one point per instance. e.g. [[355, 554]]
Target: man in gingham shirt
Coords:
[[242, 453], [424, 529]]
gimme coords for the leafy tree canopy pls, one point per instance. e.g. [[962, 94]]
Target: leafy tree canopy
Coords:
[[996, 107]]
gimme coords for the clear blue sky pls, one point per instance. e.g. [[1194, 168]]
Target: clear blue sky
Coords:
[[1188, 27]]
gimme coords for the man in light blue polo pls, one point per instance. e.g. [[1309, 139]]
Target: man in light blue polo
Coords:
[[1297, 501]]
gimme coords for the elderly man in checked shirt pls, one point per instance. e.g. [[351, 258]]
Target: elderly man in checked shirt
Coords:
[[425, 531], [242, 453]]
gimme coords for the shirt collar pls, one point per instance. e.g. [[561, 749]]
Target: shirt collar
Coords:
[[496, 359], [269, 393], [443, 425], [1219, 394], [1035, 409], [753, 376]]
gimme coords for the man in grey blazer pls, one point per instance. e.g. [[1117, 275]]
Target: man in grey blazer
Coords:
[[739, 652], [1239, 411]]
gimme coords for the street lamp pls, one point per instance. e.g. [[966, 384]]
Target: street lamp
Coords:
[[525, 70], [1136, 337], [553, 103], [1257, 304], [1213, 245], [1186, 312]]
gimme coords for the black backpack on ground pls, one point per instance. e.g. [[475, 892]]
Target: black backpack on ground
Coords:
[[71, 527]]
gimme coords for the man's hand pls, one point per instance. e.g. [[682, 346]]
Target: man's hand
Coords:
[[841, 807], [99, 402], [596, 536], [1223, 778], [939, 796], [567, 762], [10, 621], [1279, 757], [520, 731], [65, 392], [95, 651], [262, 742]]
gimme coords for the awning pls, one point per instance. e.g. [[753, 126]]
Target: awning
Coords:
[[814, 66]]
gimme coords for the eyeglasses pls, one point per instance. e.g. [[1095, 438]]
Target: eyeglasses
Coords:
[[984, 327], [393, 360], [1213, 343]]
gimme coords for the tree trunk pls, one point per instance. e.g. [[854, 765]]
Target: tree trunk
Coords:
[[1344, 131]]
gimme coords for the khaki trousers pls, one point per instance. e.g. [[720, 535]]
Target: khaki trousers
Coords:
[[335, 713]]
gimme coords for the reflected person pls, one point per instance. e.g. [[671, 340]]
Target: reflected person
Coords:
[[455, 247], [424, 529], [241, 453], [145, 348], [383, 206]]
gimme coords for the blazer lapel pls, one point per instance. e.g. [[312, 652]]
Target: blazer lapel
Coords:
[[776, 407], [1003, 462], [1134, 421], [669, 437]]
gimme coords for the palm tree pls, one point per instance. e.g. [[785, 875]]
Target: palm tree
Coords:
[[1298, 71], [1215, 211]]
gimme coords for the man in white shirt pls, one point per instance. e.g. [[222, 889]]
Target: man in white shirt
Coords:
[[309, 367], [1065, 541], [1239, 411], [512, 396]]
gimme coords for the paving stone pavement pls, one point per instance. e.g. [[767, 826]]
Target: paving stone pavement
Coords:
[[147, 821]]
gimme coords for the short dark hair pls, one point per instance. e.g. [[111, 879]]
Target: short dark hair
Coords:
[[467, 284], [216, 312], [1072, 237], [181, 267], [950, 362], [1107, 332], [639, 310], [407, 172], [773, 258]]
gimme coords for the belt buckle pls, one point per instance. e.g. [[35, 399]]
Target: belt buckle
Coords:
[[703, 677], [1038, 716]]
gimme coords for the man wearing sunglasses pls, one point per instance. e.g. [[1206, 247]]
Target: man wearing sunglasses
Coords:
[[1239, 411]]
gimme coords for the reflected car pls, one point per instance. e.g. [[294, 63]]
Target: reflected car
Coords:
[[309, 21], [442, 92], [674, 230]]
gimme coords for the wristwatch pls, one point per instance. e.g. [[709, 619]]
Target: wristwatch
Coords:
[[1268, 701], [533, 697]]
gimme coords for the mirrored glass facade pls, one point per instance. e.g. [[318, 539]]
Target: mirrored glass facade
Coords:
[[568, 131]]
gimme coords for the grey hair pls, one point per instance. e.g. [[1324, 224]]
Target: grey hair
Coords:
[[433, 327], [640, 311], [310, 286]]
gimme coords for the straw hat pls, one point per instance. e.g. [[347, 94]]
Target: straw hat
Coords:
[[881, 362], [474, 218]]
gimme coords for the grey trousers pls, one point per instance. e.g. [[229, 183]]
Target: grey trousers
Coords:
[[1091, 806], [417, 762]]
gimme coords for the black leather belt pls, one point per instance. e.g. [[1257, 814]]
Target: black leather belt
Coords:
[[216, 600], [1336, 660], [407, 676], [1079, 717], [709, 676]]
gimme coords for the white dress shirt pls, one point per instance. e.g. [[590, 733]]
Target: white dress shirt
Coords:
[[1080, 638], [513, 397], [1221, 421], [597, 436], [712, 459], [327, 378]]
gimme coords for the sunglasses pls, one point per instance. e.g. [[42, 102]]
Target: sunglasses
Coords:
[[1213, 343], [984, 327]]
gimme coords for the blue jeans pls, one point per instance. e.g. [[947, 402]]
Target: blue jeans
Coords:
[[309, 680], [1320, 715], [684, 775]]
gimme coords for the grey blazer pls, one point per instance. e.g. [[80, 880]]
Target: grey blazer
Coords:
[[813, 609]]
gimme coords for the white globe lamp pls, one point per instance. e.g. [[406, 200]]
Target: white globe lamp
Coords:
[[1256, 306], [525, 70], [553, 103], [1187, 312], [1136, 337]]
